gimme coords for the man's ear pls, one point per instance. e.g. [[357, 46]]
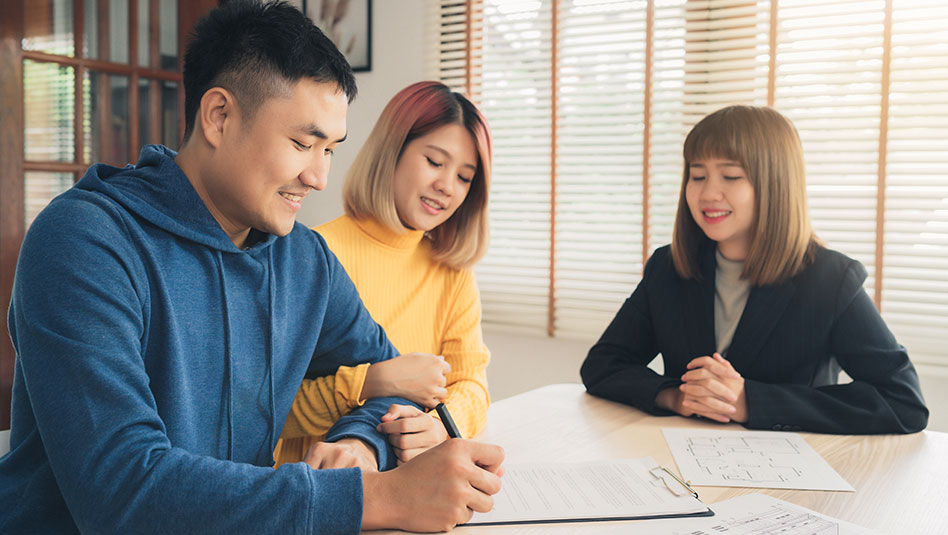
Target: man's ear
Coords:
[[218, 107]]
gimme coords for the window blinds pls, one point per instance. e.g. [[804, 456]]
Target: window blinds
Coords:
[[915, 237], [589, 102], [828, 82], [510, 80], [599, 144]]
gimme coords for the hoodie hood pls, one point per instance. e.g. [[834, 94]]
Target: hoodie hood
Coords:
[[157, 190]]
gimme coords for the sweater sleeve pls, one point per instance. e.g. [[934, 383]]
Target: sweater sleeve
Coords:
[[616, 368], [321, 401], [79, 308], [884, 395], [463, 348]]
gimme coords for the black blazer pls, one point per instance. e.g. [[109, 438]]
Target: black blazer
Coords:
[[789, 345]]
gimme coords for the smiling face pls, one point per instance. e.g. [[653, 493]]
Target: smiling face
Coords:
[[433, 176], [261, 171], [721, 200]]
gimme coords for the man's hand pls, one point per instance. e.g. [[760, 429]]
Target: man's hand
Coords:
[[418, 377], [436, 491], [410, 431], [344, 453], [712, 388]]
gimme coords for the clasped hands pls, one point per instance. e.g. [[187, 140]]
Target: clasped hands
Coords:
[[711, 388]]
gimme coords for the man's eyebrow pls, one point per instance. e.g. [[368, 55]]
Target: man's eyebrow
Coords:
[[448, 154], [313, 130]]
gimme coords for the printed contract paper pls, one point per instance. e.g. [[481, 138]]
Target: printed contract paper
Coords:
[[602, 490]]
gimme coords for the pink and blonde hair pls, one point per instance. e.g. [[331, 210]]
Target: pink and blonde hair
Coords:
[[413, 112]]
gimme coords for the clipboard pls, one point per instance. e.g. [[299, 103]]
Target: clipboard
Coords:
[[609, 490]]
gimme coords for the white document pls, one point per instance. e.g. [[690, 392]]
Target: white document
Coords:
[[751, 514], [616, 489], [759, 459], [758, 514]]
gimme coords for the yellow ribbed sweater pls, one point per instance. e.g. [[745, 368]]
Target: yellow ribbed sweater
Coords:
[[423, 306]]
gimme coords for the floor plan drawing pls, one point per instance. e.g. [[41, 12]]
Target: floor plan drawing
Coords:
[[747, 458], [750, 459]]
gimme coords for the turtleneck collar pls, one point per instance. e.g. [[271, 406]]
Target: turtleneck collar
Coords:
[[730, 269], [405, 239]]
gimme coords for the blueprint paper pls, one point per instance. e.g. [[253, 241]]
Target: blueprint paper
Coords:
[[757, 459]]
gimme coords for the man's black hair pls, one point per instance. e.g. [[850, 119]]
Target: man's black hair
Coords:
[[257, 50]]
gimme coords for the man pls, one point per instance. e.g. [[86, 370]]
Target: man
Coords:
[[165, 314]]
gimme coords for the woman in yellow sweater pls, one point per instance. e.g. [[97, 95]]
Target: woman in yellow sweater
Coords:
[[416, 221]]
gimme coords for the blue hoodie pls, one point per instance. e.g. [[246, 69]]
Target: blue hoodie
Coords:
[[156, 364]]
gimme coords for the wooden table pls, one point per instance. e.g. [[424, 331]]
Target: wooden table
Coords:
[[899, 479]]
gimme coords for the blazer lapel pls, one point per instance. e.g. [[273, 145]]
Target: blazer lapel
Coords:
[[698, 307], [765, 305]]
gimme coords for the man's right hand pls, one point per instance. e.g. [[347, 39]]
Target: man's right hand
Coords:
[[436, 490]]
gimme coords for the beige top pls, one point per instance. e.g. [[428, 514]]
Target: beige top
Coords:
[[730, 296]]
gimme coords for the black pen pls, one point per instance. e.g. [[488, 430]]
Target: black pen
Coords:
[[448, 422]]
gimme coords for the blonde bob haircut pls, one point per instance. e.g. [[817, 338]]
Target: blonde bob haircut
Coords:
[[768, 147], [413, 112]]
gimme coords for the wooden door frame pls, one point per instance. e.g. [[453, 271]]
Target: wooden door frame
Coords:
[[11, 181]]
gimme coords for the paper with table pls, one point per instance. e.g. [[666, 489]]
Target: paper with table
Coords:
[[759, 459], [597, 490]]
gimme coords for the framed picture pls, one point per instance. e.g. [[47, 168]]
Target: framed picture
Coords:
[[349, 24]]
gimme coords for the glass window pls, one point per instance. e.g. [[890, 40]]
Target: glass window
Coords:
[[105, 123], [106, 30], [49, 27], [168, 41], [158, 112], [49, 112]]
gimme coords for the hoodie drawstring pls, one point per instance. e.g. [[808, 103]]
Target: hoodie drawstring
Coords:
[[270, 335], [230, 364], [271, 289]]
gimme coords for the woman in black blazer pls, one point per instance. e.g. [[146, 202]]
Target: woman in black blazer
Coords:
[[753, 316]]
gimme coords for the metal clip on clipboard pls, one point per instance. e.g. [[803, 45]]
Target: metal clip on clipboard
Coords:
[[657, 473]]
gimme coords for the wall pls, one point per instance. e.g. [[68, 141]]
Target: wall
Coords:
[[521, 362], [400, 56]]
